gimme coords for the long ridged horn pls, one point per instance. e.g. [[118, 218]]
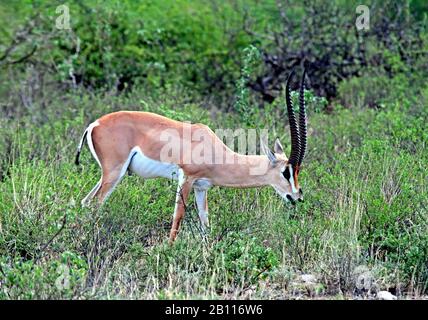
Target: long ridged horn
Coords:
[[302, 120], [294, 130]]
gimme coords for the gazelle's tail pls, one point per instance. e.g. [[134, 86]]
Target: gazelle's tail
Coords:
[[88, 136], [79, 148]]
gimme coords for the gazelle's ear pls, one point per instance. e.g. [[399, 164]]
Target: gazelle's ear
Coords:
[[265, 149], [278, 147]]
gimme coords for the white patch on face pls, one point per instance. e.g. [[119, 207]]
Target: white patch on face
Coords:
[[293, 186], [291, 180]]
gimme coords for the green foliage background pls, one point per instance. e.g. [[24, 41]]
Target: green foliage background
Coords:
[[365, 175]]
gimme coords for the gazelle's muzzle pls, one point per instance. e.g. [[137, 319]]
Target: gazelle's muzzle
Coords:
[[289, 198], [298, 198]]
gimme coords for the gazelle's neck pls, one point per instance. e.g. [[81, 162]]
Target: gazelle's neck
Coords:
[[246, 171]]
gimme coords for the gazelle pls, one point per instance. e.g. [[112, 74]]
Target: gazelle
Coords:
[[154, 146]]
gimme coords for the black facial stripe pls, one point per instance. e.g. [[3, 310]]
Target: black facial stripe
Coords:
[[286, 173]]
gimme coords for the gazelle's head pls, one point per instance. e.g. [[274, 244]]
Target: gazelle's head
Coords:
[[284, 172]]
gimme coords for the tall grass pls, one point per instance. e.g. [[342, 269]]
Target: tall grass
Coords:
[[365, 209]]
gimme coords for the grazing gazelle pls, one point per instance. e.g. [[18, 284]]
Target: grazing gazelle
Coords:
[[154, 146]]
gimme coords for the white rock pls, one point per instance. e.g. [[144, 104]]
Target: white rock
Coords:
[[385, 295], [308, 278]]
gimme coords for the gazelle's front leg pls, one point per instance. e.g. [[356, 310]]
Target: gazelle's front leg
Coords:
[[183, 190], [202, 204]]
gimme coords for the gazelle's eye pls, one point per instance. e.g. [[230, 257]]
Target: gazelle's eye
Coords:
[[286, 173]]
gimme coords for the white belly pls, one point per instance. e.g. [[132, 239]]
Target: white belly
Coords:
[[149, 168]]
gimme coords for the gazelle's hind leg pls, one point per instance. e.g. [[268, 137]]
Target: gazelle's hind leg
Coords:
[[109, 181], [91, 194], [111, 178], [113, 167]]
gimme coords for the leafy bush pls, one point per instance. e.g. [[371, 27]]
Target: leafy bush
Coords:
[[62, 278], [245, 261]]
